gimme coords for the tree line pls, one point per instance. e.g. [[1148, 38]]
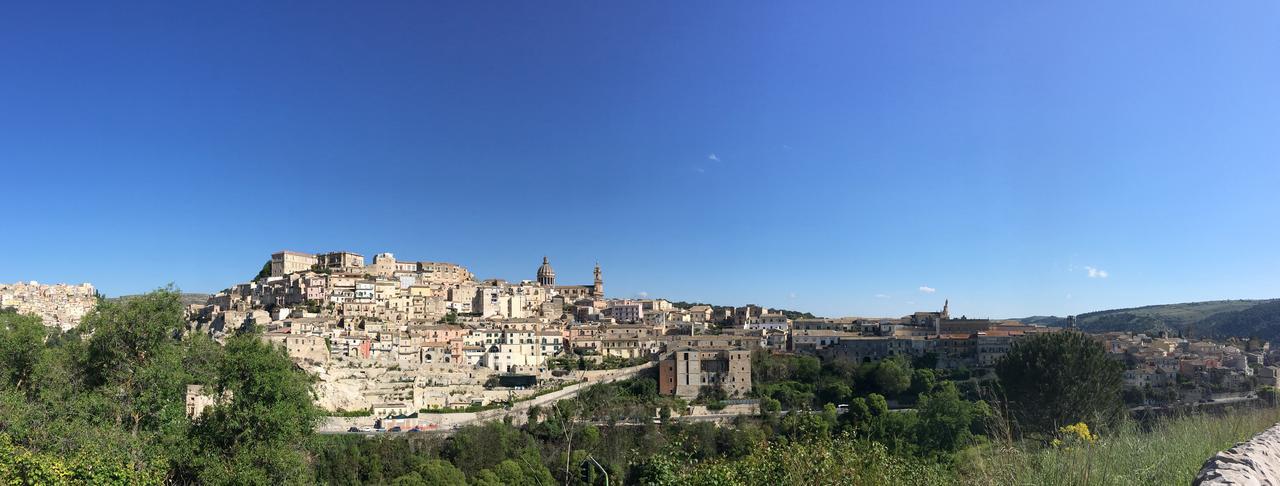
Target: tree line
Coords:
[[106, 401]]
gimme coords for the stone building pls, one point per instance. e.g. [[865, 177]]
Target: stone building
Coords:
[[768, 322], [340, 261], [742, 314], [546, 277], [625, 311], [685, 371], [197, 401], [286, 262]]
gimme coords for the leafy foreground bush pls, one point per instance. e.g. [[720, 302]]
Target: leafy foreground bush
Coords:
[[841, 460], [21, 466], [1170, 453]]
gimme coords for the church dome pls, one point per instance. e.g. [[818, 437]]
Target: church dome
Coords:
[[546, 276]]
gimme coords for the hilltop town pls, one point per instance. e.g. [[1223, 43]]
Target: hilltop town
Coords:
[[392, 337], [58, 305], [391, 346]]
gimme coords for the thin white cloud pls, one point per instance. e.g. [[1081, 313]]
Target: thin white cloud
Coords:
[[792, 295], [643, 294], [1096, 272], [883, 296], [927, 289], [699, 170], [714, 157]]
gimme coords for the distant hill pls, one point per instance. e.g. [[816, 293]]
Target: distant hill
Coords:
[[1218, 318], [1045, 320], [187, 298]]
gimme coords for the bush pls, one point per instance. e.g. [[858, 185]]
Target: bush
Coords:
[[1051, 380]]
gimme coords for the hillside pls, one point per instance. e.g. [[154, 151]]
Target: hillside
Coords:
[[1218, 318], [187, 298]]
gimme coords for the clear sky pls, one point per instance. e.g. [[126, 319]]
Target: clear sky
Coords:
[[846, 158]]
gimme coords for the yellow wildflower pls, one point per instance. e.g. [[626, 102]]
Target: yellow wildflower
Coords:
[[1078, 433]]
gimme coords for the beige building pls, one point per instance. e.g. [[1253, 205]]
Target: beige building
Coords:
[[546, 276], [684, 372], [197, 401], [341, 261], [286, 262], [384, 265]]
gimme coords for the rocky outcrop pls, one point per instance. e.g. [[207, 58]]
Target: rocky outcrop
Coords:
[[1254, 462]]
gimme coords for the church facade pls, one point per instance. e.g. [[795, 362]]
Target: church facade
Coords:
[[547, 278]]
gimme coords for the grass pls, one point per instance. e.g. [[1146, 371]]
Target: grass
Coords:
[[1170, 452]]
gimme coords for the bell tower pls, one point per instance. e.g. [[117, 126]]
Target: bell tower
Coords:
[[597, 290]]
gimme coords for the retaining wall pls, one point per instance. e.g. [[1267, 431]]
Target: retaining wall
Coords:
[[1256, 461]]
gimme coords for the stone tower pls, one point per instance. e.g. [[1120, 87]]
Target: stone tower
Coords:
[[597, 290]]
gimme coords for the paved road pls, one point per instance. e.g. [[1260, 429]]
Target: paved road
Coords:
[[1225, 399]]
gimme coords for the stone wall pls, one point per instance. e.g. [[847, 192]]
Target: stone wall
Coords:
[[1254, 462]]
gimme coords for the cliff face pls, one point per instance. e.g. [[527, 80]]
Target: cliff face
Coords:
[[1254, 462]]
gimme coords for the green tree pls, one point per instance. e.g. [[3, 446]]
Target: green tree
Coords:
[[806, 425], [266, 413], [834, 392], [1050, 380], [441, 473], [134, 359], [410, 479], [945, 420], [450, 318], [807, 369], [21, 346], [877, 405], [21, 466], [892, 376], [768, 404], [527, 470], [923, 381], [476, 448], [264, 272], [858, 417]]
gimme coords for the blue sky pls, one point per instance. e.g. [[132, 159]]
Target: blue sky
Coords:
[[845, 158]]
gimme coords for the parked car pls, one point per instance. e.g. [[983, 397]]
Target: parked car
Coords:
[[353, 429], [395, 429]]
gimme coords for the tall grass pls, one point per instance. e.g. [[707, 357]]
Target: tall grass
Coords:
[[1169, 451]]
